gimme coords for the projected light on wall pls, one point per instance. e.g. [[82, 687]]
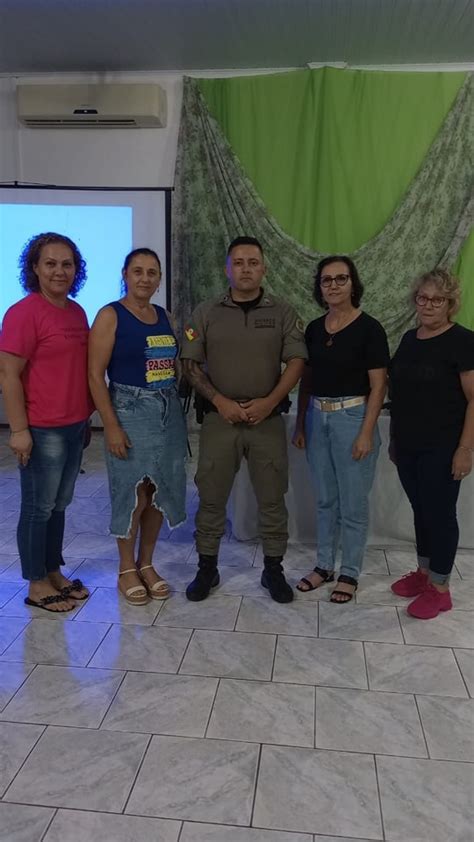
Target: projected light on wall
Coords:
[[105, 227], [97, 231]]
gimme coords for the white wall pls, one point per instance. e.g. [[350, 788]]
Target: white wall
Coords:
[[96, 157], [8, 131], [104, 157]]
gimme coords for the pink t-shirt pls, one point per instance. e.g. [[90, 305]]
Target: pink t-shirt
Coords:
[[54, 341]]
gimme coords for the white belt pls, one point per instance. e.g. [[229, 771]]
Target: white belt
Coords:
[[333, 406]]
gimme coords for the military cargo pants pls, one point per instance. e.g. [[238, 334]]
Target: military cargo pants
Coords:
[[222, 447]]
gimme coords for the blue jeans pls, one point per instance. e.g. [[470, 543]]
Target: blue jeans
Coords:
[[342, 485], [47, 487]]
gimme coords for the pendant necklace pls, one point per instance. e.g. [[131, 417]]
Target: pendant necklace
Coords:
[[330, 341]]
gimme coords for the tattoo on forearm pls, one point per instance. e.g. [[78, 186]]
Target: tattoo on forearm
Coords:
[[199, 379]]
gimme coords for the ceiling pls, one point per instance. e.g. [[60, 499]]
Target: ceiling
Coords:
[[168, 35]]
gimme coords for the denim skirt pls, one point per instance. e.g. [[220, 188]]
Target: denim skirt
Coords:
[[154, 423]]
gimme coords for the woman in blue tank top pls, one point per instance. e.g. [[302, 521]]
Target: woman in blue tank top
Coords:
[[133, 341]]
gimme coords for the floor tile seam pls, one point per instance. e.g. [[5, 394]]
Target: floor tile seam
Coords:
[[211, 708], [101, 641], [111, 701], [20, 632], [272, 670], [158, 604], [236, 620], [392, 692], [364, 655], [243, 742], [379, 797], [455, 608], [425, 739], [19, 687], [315, 718], [73, 809], [45, 725], [84, 602], [453, 649], [12, 596], [285, 632], [186, 649], [50, 822], [255, 784], [436, 645], [135, 777], [38, 738]]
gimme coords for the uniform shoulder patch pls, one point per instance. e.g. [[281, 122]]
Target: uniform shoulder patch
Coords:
[[300, 325], [190, 333]]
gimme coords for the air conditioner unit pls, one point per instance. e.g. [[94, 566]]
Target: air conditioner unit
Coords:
[[114, 106]]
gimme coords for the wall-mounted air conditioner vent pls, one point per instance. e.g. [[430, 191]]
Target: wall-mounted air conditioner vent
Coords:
[[114, 106]]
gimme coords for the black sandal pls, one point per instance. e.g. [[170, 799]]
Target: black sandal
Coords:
[[346, 580], [68, 591], [48, 600], [326, 576]]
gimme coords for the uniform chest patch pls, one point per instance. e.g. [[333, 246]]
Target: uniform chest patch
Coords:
[[264, 323]]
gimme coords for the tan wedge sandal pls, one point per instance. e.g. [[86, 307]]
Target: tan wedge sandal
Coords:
[[160, 590], [136, 595]]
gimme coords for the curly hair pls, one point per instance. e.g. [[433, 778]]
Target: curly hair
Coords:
[[357, 286], [446, 283], [31, 254]]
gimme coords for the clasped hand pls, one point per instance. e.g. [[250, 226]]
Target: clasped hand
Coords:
[[251, 412]]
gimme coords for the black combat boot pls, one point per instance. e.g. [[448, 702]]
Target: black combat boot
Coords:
[[207, 577], [274, 580]]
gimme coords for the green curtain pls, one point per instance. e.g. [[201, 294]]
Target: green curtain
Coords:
[[215, 200], [332, 152]]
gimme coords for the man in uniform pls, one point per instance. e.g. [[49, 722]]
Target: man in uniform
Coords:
[[232, 351]]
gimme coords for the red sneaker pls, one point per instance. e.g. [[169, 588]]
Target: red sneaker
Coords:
[[410, 585], [429, 603]]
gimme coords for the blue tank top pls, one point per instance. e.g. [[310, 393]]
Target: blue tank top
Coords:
[[143, 355]]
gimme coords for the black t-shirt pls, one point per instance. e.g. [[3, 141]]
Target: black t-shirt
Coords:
[[428, 403], [341, 367]]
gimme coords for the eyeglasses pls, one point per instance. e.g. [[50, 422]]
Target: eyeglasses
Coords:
[[435, 300], [341, 280]]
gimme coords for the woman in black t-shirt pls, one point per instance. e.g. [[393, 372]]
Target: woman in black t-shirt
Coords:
[[432, 393], [341, 394]]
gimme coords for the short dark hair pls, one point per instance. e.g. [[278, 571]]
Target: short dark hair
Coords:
[[146, 251], [31, 254], [357, 286], [244, 241]]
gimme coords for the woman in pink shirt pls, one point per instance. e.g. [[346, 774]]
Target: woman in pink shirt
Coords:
[[43, 375]]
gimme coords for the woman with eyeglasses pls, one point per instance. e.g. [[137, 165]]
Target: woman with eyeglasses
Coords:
[[432, 434], [340, 398]]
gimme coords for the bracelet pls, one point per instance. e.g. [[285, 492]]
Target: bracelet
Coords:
[[465, 447], [15, 432]]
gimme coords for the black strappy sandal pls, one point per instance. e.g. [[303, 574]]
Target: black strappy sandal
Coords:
[[326, 576], [346, 580], [68, 592]]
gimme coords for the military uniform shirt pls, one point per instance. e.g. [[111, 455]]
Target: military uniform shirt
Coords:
[[243, 351]]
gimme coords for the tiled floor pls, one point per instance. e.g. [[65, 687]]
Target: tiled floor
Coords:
[[232, 720]]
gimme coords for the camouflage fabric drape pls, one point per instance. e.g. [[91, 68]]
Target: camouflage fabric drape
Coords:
[[214, 201]]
